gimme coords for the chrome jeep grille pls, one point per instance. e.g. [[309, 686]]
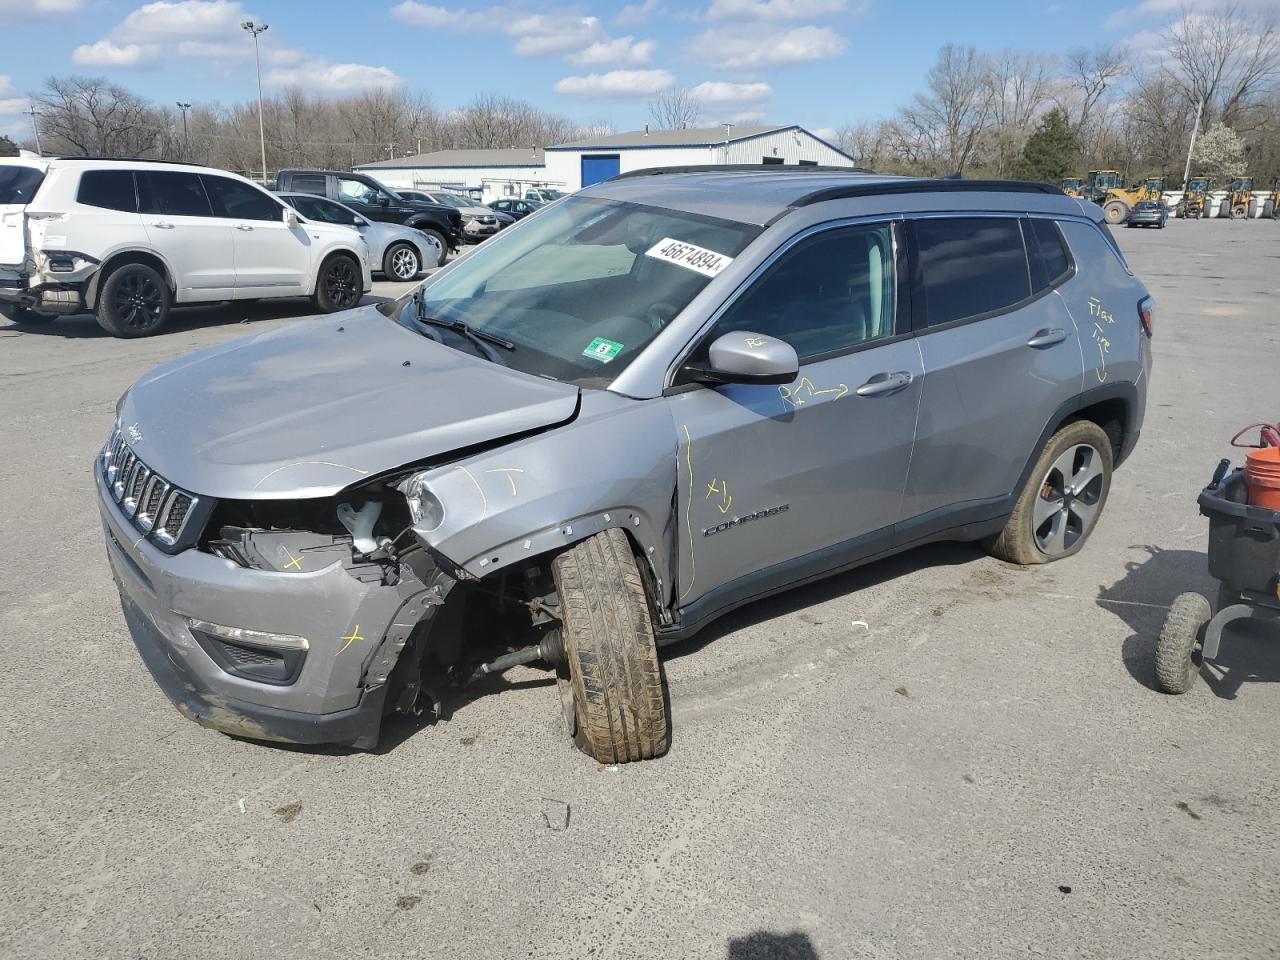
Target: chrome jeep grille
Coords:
[[152, 504]]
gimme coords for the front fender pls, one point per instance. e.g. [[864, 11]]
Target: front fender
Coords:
[[613, 466]]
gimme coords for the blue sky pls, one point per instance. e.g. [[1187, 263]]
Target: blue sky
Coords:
[[818, 63]]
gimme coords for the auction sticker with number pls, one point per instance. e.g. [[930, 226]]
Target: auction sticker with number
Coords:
[[687, 255], [602, 349]]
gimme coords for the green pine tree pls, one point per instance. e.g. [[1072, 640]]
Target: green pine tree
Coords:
[[7, 147], [1050, 152]]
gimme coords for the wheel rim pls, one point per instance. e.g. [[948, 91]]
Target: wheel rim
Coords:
[[1069, 500], [138, 302], [404, 264], [340, 284]]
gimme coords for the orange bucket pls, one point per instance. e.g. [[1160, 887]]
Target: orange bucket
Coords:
[[1262, 470]]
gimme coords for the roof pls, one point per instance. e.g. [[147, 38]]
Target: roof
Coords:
[[760, 194], [519, 157], [689, 137]]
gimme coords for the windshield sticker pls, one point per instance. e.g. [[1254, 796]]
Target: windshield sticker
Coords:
[[699, 259], [602, 349]]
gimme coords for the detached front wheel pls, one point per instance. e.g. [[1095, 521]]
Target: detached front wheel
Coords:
[[618, 711]]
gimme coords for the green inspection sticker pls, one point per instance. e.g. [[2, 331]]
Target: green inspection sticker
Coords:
[[602, 349]]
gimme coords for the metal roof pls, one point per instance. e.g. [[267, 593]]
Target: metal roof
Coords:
[[691, 137], [519, 157]]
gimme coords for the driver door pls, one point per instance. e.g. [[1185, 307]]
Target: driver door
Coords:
[[361, 197], [801, 476]]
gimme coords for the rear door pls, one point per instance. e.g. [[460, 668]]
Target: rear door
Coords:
[[179, 221], [772, 474], [107, 219], [18, 185], [272, 258], [1001, 355]]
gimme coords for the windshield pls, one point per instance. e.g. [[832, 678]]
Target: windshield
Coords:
[[453, 200], [1198, 185], [18, 184], [583, 287]]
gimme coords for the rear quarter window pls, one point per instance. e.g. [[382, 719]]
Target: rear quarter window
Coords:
[[108, 189], [970, 266], [18, 184], [313, 183], [1050, 262]]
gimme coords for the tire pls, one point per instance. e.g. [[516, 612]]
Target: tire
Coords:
[[439, 238], [25, 316], [1182, 631], [619, 705], [1046, 523], [1252, 210], [338, 284], [401, 262], [134, 302], [1115, 211], [1238, 211]]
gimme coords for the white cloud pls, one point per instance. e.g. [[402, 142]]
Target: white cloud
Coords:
[[332, 77], [622, 52], [758, 46], [749, 116], [40, 8], [6, 83], [720, 91], [546, 35], [106, 53], [426, 15], [183, 19], [773, 9], [617, 84], [637, 13]]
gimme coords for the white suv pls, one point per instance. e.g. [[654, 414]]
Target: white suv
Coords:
[[128, 239]]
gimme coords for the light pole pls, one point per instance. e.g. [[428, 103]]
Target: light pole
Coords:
[[256, 30], [35, 128], [186, 139], [1195, 131]]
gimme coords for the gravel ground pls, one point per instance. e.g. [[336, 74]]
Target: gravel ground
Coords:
[[982, 770]]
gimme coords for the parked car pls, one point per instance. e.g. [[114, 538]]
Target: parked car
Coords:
[[374, 201], [519, 209], [670, 396], [478, 221], [543, 194], [130, 239], [399, 252], [1148, 213]]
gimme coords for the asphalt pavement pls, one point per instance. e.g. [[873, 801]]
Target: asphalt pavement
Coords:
[[937, 756]]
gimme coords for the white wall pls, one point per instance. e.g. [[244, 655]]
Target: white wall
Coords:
[[791, 145], [494, 181]]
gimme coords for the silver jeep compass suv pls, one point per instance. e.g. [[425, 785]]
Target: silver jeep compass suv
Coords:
[[661, 398]]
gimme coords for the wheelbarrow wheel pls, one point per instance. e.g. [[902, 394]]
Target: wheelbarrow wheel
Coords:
[[1183, 630]]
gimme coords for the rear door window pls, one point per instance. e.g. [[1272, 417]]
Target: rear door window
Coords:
[[18, 184], [175, 193], [109, 189], [323, 211], [239, 201], [313, 183], [970, 266]]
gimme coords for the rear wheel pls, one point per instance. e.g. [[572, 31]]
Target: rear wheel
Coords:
[[1115, 211], [1183, 630], [1062, 500], [25, 316], [338, 284], [617, 707], [401, 262], [133, 302]]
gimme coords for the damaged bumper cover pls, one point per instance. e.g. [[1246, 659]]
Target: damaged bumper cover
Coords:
[[349, 630]]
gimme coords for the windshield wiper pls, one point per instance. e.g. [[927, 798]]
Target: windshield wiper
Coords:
[[480, 338]]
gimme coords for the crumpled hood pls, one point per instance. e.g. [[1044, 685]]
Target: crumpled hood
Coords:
[[312, 407]]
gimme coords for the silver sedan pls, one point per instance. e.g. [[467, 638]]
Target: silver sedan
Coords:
[[399, 252]]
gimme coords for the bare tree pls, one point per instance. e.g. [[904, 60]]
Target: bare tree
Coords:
[[1224, 59], [675, 110], [89, 116], [1090, 77], [1018, 86], [949, 119]]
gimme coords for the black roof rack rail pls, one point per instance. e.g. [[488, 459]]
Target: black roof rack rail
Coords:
[[178, 163], [737, 168], [926, 186]]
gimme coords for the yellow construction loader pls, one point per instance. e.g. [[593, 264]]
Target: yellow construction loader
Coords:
[[1195, 198], [1106, 188], [1071, 186], [1239, 202], [1271, 206]]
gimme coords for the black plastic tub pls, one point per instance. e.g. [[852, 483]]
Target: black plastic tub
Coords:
[[1244, 541]]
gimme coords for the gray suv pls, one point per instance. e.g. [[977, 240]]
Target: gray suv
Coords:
[[664, 397]]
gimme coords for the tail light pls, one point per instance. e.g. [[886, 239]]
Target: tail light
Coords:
[[1146, 308]]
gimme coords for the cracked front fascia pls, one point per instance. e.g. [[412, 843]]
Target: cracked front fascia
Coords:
[[615, 466]]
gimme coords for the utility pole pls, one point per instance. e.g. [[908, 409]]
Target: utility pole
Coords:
[[186, 138], [1195, 131], [256, 30], [727, 128], [35, 128]]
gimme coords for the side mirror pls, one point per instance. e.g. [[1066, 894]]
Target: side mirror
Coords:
[[359, 223], [290, 216], [383, 200], [745, 357]]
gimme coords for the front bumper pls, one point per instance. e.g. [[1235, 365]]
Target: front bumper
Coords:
[[355, 631]]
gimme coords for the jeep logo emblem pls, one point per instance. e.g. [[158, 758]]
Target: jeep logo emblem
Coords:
[[133, 433]]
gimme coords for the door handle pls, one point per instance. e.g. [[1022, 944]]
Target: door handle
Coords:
[[883, 383], [243, 226], [1047, 337], [163, 225]]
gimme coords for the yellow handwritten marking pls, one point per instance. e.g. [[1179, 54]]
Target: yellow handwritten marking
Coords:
[[295, 562], [1104, 347], [754, 342], [484, 501], [351, 638], [688, 511], [311, 463], [508, 471], [722, 488], [793, 396]]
